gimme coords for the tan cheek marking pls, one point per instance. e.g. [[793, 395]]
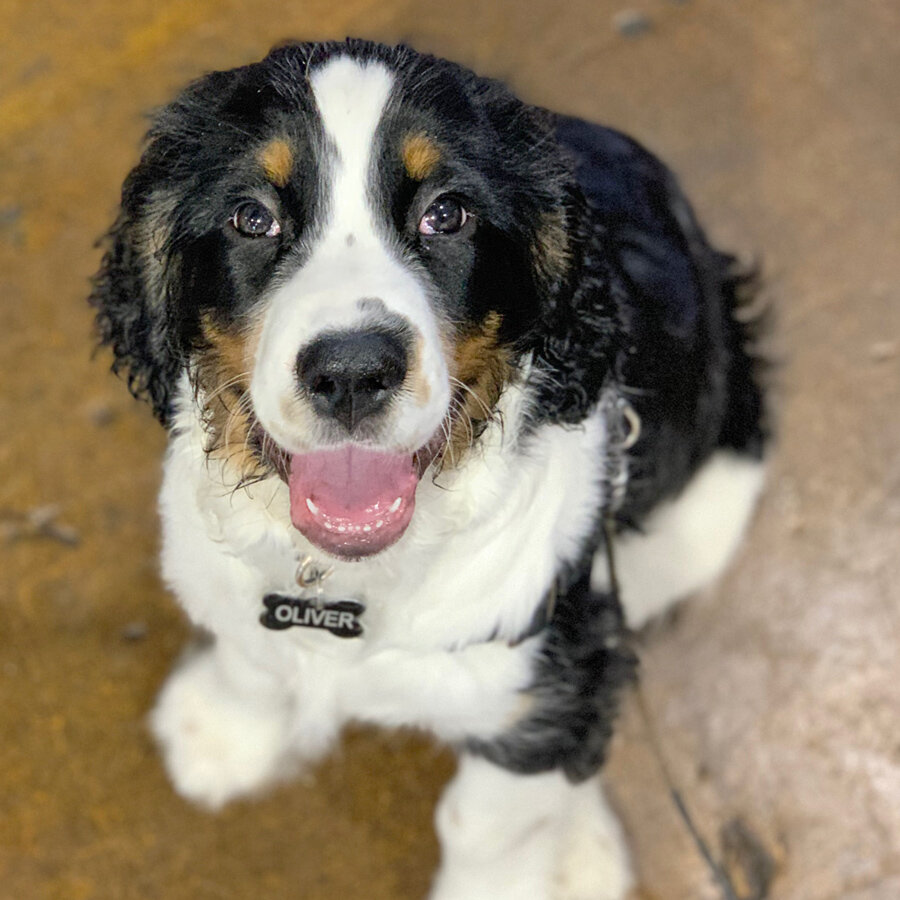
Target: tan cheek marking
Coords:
[[277, 160], [420, 156], [483, 366], [224, 371], [472, 353]]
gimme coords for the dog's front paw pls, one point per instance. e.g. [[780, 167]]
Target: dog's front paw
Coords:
[[216, 745]]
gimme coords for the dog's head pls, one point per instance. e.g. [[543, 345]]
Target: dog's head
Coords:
[[349, 249]]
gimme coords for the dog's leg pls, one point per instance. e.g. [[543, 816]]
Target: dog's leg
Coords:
[[686, 542], [223, 726], [510, 837], [594, 863]]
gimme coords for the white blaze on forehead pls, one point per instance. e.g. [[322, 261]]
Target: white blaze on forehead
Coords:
[[351, 97]]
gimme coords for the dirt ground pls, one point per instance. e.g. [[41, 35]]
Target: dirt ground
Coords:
[[775, 696]]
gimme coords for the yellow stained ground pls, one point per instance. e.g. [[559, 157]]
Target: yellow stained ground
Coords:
[[780, 115]]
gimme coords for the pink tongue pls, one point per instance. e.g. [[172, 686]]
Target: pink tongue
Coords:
[[352, 502]]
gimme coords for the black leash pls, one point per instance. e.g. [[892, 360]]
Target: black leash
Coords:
[[719, 874]]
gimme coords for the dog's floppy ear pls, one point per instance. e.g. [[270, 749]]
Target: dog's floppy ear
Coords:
[[578, 340], [144, 292], [135, 294], [553, 224], [143, 305]]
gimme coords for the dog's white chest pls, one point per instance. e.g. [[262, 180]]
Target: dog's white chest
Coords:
[[483, 547]]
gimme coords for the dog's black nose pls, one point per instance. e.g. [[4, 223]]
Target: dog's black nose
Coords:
[[350, 375]]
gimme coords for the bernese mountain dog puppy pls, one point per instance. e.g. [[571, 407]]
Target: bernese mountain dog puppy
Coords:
[[421, 349]]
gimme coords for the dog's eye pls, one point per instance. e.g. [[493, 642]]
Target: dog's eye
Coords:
[[445, 216], [252, 219]]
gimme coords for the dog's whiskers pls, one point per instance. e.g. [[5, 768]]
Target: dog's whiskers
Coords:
[[488, 412], [465, 418], [227, 385]]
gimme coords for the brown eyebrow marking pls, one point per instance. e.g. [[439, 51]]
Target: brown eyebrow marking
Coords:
[[277, 160], [420, 156]]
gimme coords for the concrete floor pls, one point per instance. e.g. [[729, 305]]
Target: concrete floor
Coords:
[[775, 696]]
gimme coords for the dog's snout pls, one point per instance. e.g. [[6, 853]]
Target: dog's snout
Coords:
[[351, 375]]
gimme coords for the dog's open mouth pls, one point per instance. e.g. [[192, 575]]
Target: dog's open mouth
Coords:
[[353, 501]]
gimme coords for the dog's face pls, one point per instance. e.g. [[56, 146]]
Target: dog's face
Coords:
[[348, 248]]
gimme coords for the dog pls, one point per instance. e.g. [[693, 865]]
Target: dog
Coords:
[[425, 353]]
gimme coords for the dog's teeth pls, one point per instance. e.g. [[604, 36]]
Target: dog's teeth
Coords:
[[312, 506], [328, 525], [342, 528], [367, 527], [395, 505], [379, 523]]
